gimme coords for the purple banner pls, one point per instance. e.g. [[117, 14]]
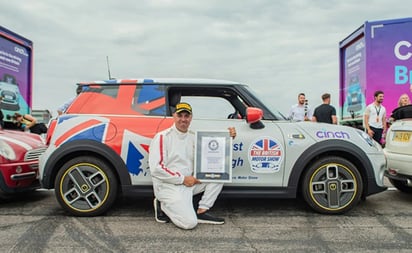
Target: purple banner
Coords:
[[15, 73]]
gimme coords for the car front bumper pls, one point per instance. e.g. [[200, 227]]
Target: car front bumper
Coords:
[[398, 163], [17, 177]]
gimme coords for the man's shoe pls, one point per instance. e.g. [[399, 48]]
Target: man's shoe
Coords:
[[160, 216], [209, 219]]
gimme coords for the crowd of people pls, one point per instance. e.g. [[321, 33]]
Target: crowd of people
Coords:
[[375, 122], [323, 113]]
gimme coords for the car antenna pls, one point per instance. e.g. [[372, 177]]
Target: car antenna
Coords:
[[108, 68]]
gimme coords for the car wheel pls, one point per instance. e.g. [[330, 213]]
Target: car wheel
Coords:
[[332, 185], [401, 185], [86, 186]]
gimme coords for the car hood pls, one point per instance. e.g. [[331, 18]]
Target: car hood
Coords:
[[20, 139], [323, 132]]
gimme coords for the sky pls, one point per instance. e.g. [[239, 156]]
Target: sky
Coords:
[[279, 48]]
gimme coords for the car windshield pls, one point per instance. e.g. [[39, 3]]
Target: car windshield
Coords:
[[268, 114]]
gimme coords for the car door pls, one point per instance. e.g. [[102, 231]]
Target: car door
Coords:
[[258, 155]]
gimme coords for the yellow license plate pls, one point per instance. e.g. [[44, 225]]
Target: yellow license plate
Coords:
[[402, 136]]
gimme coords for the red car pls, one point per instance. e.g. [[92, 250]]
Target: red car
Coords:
[[19, 154]]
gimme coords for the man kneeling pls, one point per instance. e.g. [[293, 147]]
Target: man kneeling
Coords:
[[171, 161]]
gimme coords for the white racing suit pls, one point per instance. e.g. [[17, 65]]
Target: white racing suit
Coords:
[[171, 158]]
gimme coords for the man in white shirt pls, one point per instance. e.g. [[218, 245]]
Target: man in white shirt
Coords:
[[62, 109], [171, 162], [374, 119], [300, 111]]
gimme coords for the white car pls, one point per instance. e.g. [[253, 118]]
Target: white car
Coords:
[[398, 150], [101, 146]]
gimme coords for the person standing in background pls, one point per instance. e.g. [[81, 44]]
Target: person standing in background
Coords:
[[300, 111], [401, 111], [374, 119], [29, 123], [62, 109], [325, 112], [404, 100]]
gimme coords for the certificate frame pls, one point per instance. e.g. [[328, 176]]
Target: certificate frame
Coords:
[[213, 156]]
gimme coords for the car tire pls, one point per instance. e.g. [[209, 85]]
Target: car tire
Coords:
[[86, 186], [332, 185], [401, 185]]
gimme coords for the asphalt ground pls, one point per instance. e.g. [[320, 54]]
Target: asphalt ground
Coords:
[[36, 223]]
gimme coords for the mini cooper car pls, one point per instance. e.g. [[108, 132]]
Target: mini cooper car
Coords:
[[398, 149], [354, 98], [100, 146], [19, 154], [10, 95]]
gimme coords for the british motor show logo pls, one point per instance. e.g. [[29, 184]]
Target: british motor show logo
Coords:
[[265, 155]]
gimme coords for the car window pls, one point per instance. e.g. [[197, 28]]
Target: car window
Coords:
[[150, 100], [209, 107], [124, 99], [104, 90]]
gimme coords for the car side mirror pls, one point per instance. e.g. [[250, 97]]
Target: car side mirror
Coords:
[[253, 115]]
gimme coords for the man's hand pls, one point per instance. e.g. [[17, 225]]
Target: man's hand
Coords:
[[232, 132], [189, 181]]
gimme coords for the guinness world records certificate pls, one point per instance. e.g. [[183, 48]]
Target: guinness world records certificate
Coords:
[[213, 156]]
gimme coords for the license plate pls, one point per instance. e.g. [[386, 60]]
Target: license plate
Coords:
[[402, 136]]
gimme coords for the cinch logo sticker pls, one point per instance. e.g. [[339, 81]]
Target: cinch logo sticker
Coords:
[[332, 135], [265, 155]]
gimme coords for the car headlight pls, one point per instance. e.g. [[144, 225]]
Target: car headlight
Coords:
[[369, 140], [6, 151]]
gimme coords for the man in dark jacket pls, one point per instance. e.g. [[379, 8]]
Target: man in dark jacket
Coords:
[[325, 112]]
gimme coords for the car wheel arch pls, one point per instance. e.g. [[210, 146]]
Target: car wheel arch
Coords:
[[81, 147], [338, 148]]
